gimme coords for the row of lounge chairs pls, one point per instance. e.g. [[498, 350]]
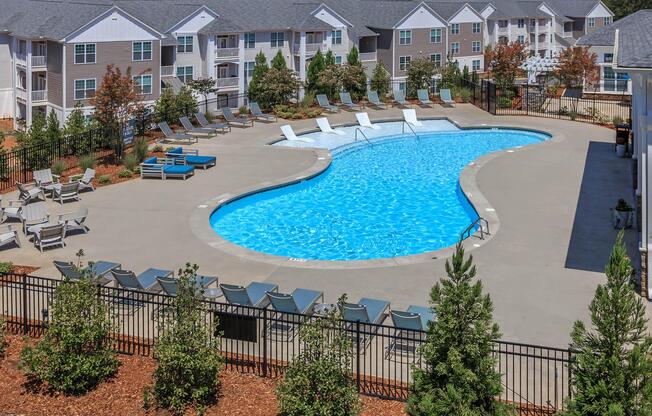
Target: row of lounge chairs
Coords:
[[373, 100]]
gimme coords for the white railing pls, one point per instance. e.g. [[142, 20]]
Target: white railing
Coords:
[[227, 82], [310, 48], [41, 95], [167, 71], [221, 53], [368, 56], [39, 61]]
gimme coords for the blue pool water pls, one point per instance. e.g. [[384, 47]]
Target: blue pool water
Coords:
[[395, 197]]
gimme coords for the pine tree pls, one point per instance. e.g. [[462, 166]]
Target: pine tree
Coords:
[[380, 80], [76, 122], [52, 129], [315, 67], [353, 57], [186, 103], [329, 58], [354, 78], [260, 69], [165, 107], [459, 376], [613, 368], [278, 62]]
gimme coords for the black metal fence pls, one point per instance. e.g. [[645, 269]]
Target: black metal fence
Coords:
[[540, 101], [264, 342]]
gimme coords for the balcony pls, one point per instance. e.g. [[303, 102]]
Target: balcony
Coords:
[[167, 71], [41, 95], [368, 56], [226, 53], [21, 57], [311, 48], [39, 61], [231, 82]]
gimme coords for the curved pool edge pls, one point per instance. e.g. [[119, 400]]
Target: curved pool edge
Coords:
[[322, 160]]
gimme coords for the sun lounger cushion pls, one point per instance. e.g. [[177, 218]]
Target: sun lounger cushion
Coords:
[[151, 160], [178, 169], [177, 150], [200, 160]]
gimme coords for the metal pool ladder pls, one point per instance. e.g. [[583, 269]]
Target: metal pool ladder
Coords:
[[405, 123], [483, 226], [357, 129]]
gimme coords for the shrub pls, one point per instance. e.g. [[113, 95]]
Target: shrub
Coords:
[[465, 95], [243, 110], [613, 366], [157, 148], [87, 162], [209, 116], [104, 180], [130, 161], [125, 173], [308, 100], [617, 120], [6, 267], [319, 379], [58, 166], [459, 376], [504, 102], [187, 351], [140, 149], [75, 354]]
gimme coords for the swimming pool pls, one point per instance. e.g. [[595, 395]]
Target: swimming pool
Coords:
[[396, 196]]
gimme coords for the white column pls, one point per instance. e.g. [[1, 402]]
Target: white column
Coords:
[[28, 87], [509, 30], [64, 97], [241, 68], [536, 37], [551, 38], [14, 81], [302, 60], [495, 32], [210, 57]]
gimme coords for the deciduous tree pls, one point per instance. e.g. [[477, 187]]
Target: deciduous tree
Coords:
[[505, 61], [575, 65], [622, 8], [420, 75], [277, 87], [380, 80], [354, 77]]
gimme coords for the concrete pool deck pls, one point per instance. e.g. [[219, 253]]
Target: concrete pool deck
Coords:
[[541, 267]]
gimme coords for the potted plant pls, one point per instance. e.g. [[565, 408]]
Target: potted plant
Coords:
[[622, 215]]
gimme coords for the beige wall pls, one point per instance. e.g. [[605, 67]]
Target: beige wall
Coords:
[[118, 54]]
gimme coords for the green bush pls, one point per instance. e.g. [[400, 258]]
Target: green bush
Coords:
[[504, 102], [157, 148], [6, 267], [319, 379], [140, 149], [243, 110], [617, 120], [58, 166], [209, 116], [289, 112], [130, 161], [104, 180], [187, 354], [465, 94], [125, 173], [87, 162], [75, 354]]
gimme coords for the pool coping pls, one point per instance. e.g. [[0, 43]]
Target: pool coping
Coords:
[[322, 160]]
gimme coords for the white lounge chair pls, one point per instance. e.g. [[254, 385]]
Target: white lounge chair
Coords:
[[49, 236], [85, 181], [289, 134], [363, 121], [325, 127], [8, 236], [74, 220], [410, 117]]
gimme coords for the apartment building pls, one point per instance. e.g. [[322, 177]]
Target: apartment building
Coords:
[[54, 53]]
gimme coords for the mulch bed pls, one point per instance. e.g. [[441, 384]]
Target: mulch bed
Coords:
[[23, 269], [240, 394]]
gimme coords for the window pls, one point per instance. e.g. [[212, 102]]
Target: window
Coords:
[[455, 48], [521, 39], [141, 51], [278, 38], [591, 21], [405, 37], [475, 65], [614, 81], [436, 58], [607, 20], [502, 23], [521, 23], [249, 40], [338, 60], [476, 27], [249, 69], [404, 63], [336, 37], [435, 35], [455, 29], [533, 22], [85, 53], [475, 46], [401, 86], [184, 73], [144, 83], [184, 44], [608, 57], [84, 88]]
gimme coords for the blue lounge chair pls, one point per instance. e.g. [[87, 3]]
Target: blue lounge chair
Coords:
[[323, 102], [399, 98], [294, 308], [165, 168], [100, 270], [424, 98], [345, 97], [372, 98], [192, 157], [410, 328], [445, 95], [255, 294], [366, 311]]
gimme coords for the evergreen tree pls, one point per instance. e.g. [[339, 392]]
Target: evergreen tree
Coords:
[[76, 122], [186, 103], [260, 69], [315, 67], [622, 8], [278, 62], [380, 80], [354, 78], [613, 368], [459, 377], [329, 58], [52, 129], [165, 107], [353, 57], [465, 72]]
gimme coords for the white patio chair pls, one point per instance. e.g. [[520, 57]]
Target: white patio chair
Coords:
[[13, 210], [34, 214], [8, 236], [325, 127], [66, 192], [50, 236], [410, 117], [27, 192], [291, 136], [85, 181], [74, 220]]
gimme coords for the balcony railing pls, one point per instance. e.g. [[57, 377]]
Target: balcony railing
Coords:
[[222, 53], [368, 56], [311, 48], [167, 71], [41, 95], [227, 82], [39, 61]]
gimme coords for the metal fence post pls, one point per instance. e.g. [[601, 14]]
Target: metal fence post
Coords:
[[24, 163], [357, 354], [264, 342], [25, 300]]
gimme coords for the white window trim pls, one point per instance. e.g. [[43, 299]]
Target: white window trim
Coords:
[[458, 48], [441, 37], [400, 39], [271, 41], [473, 62], [455, 28], [438, 62], [151, 83], [74, 54], [334, 38], [74, 88], [473, 49], [185, 45], [246, 41], [142, 50], [473, 26], [407, 62], [253, 65], [590, 22], [185, 73]]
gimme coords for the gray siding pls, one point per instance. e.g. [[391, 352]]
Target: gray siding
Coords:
[[420, 47], [55, 73], [466, 37]]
